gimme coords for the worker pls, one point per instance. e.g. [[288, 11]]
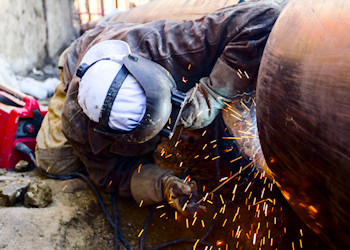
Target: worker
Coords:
[[118, 80]]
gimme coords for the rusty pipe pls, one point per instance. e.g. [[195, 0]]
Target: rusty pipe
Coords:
[[303, 112]]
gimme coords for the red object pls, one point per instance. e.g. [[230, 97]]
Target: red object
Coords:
[[220, 243], [20, 120]]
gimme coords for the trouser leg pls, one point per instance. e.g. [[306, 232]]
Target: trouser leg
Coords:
[[53, 152]]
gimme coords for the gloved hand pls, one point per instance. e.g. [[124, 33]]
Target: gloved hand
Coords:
[[181, 195]]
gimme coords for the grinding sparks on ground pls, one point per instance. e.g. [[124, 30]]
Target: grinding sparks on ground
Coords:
[[189, 67], [64, 187], [223, 179], [202, 221], [195, 244], [187, 223], [139, 168], [234, 189], [223, 224], [141, 203], [215, 158], [222, 199], [223, 209], [240, 157], [184, 207], [220, 243], [234, 218], [231, 138], [177, 143], [47, 170], [246, 74], [206, 196], [254, 239], [194, 221], [110, 183], [160, 206], [205, 131], [247, 187], [140, 233], [162, 215]]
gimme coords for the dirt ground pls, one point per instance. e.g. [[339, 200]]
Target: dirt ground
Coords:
[[257, 217]]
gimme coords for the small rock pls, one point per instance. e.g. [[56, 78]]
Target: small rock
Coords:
[[12, 191], [39, 194], [22, 166], [3, 171]]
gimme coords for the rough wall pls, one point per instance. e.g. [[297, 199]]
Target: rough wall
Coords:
[[33, 30]]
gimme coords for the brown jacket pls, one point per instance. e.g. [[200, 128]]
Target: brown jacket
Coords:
[[220, 51]]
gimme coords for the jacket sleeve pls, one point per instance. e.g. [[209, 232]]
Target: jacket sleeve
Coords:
[[235, 71]]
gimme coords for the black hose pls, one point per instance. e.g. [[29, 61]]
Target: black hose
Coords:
[[148, 220], [116, 236]]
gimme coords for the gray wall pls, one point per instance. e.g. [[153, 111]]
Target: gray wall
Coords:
[[33, 30]]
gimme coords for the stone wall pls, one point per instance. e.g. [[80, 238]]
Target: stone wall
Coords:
[[34, 30]]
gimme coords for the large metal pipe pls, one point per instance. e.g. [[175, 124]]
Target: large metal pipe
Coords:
[[178, 10], [303, 111]]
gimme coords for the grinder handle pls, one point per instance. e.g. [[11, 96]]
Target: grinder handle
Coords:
[[12, 91]]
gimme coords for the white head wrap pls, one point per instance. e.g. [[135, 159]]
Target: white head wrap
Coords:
[[130, 104]]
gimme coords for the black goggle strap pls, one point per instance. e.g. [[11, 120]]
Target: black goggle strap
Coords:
[[81, 70], [111, 95]]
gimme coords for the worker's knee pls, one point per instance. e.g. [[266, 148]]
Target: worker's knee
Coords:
[[57, 161]]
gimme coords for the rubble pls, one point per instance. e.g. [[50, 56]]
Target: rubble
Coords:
[[69, 222], [12, 191], [2, 171], [39, 194], [22, 166]]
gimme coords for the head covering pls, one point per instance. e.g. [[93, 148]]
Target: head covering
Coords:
[[130, 104]]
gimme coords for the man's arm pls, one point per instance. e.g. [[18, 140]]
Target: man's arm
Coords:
[[235, 70]]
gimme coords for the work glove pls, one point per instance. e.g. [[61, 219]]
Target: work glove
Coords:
[[222, 86], [181, 195]]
